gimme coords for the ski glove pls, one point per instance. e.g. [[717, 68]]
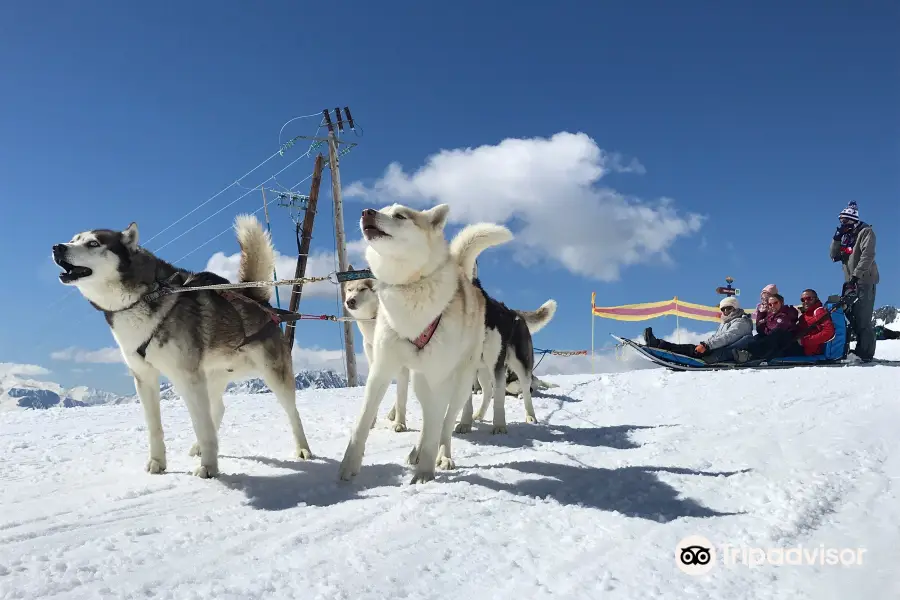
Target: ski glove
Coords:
[[842, 230], [700, 348]]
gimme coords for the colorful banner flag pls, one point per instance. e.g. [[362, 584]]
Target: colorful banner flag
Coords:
[[652, 310]]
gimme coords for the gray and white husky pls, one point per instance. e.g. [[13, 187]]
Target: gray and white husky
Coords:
[[200, 340], [430, 321]]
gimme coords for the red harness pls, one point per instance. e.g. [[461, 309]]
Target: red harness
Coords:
[[425, 337]]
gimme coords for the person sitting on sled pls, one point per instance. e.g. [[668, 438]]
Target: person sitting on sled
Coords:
[[776, 333], [762, 308], [735, 330], [813, 315]]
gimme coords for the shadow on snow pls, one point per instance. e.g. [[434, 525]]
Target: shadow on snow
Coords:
[[525, 435], [313, 482], [632, 491]]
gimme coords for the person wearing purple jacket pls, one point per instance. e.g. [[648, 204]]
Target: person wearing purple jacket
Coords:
[[777, 333]]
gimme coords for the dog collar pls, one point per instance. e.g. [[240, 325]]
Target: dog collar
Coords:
[[425, 337]]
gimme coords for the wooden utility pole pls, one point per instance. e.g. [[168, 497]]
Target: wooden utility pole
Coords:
[[304, 238], [333, 164]]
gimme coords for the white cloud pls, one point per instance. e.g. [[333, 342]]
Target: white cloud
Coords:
[[81, 355], [550, 187], [318, 264], [24, 370]]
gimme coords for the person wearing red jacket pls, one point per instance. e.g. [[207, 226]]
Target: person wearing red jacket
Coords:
[[812, 310]]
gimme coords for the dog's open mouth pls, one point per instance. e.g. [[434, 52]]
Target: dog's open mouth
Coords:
[[370, 229], [372, 232], [71, 272]]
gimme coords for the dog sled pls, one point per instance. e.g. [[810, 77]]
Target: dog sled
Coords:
[[835, 354]]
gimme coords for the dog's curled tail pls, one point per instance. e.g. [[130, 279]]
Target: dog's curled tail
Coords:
[[257, 256], [474, 239], [537, 319]]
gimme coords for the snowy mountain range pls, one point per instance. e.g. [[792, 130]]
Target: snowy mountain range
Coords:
[[303, 380], [18, 393]]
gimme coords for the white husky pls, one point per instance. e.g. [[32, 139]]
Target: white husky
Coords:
[[430, 321], [362, 304]]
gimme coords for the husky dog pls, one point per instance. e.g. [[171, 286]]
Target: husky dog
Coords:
[[200, 340], [430, 321], [507, 345], [362, 304]]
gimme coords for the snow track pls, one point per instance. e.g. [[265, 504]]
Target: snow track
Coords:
[[589, 503]]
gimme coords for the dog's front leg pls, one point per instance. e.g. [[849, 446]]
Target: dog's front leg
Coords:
[[500, 401], [196, 396], [487, 390], [398, 413], [383, 370], [434, 409], [146, 384], [460, 392], [524, 375], [216, 390], [465, 420]]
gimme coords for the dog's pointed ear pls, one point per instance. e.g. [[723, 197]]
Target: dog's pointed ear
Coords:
[[350, 268], [437, 215], [130, 237]]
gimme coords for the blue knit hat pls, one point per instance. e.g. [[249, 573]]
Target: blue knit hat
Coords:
[[851, 212]]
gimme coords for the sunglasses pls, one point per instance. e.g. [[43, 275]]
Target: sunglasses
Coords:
[[773, 303], [726, 309], [807, 299]]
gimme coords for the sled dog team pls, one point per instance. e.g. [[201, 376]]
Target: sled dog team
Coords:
[[425, 318]]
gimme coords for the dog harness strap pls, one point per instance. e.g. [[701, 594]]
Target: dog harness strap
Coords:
[[425, 337]]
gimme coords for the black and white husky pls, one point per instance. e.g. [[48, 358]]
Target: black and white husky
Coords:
[[200, 340], [507, 346]]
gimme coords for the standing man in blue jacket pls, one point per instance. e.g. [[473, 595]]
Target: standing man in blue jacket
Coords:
[[853, 245]]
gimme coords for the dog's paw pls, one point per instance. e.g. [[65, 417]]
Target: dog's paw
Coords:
[[422, 477], [530, 419], [400, 427], [350, 465], [413, 457], [446, 463], [499, 429], [393, 414], [346, 474], [479, 416], [195, 450], [348, 471], [206, 471], [463, 428], [303, 453], [156, 466]]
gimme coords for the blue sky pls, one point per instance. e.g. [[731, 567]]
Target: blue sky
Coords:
[[760, 119]]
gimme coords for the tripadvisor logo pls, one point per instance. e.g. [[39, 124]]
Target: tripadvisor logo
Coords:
[[696, 555]]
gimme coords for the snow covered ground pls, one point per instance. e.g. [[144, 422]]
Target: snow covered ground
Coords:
[[590, 503]]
